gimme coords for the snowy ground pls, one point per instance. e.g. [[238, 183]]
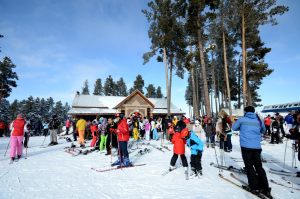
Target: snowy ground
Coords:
[[52, 173]]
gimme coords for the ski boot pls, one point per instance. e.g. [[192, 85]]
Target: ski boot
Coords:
[[171, 168], [19, 156], [117, 162], [194, 173], [126, 163]]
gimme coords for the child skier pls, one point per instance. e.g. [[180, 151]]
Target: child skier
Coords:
[[196, 146], [104, 135], [179, 146]]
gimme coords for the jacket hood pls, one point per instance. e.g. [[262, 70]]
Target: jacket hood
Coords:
[[104, 121], [251, 115]]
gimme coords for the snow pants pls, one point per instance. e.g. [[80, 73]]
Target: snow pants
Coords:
[[183, 160], [135, 134], [74, 134], [16, 145], [53, 135], [155, 134], [257, 178], [123, 152], [26, 140], [268, 130], [81, 137], [228, 143], [196, 162], [210, 139], [67, 130], [147, 135], [94, 140], [102, 145], [275, 136]]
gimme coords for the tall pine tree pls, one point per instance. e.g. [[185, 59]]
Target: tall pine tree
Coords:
[[98, 89], [159, 93], [121, 88], [85, 88], [138, 84], [151, 91], [109, 87]]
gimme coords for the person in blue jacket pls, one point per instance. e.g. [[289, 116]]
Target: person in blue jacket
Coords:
[[196, 146], [251, 129]]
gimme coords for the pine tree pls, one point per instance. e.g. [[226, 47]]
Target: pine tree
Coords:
[[138, 84], [49, 107], [4, 110], [59, 110], [85, 88], [167, 39], [121, 88], [98, 90], [14, 109], [109, 87], [7, 77], [151, 91], [159, 93]]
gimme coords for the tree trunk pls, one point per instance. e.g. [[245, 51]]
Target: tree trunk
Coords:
[[195, 102], [245, 103], [226, 74], [203, 73], [214, 81], [170, 90], [167, 80], [239, 84]]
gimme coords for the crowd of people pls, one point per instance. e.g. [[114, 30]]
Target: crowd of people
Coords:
[[115, 132]]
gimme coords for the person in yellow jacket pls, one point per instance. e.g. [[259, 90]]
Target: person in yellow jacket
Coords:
[[135, 129], [81, 125], [175, 120]]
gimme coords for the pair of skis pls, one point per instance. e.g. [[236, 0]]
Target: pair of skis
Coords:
[[117, 168], [229, 168], [284, 172], [244, 186]]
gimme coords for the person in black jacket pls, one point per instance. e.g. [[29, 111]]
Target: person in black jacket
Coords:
[[53, 126], [275, 131], [111, 140]]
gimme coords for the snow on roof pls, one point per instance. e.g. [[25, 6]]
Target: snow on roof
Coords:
[[95, 104]]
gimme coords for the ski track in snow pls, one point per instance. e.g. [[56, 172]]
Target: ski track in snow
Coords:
[[52, 173]]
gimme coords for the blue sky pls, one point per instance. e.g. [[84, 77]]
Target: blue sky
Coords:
[[56, 45]]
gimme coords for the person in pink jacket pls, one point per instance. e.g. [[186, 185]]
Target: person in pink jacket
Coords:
[[16, 138]]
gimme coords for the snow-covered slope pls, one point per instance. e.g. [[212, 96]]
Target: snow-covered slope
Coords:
[[52, 173]]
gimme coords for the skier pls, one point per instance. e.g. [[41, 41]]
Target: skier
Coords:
[[251, 129], [2, 128], [267, 122], [27, 129], [135, 128], [94, 130], [179, 146], [196, 146], [209, 129], [45, 127], [68, 125], [53, 126], [295, 132], [74, 122], [111, 140], [147, 129], [155, 133], [170, 130], [103, 134], [123, 136], [80, 126], [275, 131], [17, 133], [289, 120], [281, 121], [197, 128]]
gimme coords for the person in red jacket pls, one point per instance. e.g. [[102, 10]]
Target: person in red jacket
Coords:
[[94, 130], [17, 133], [123, 136], [179, 142], [267, 122], [68, 125]]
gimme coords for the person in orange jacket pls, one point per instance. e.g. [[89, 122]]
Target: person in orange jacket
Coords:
[[268, 122], [179, 141]]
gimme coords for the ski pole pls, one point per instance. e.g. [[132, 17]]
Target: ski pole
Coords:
[[26, 152], [7, 148], [44, 139], [217, 160]]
